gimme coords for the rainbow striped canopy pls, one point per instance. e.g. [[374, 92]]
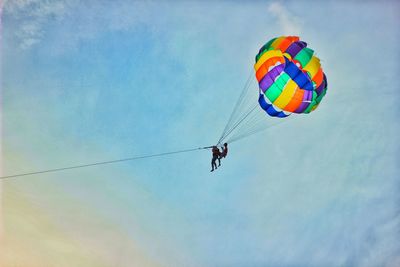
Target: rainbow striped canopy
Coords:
[[290, 77]]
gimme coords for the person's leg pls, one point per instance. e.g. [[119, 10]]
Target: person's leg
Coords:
[[214, 162], [219, 161]]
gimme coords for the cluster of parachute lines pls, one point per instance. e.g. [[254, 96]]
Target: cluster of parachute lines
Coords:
[[289, 78], [246, 118]]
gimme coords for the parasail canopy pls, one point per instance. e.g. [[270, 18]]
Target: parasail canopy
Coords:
[[290, 80], [290, 77]]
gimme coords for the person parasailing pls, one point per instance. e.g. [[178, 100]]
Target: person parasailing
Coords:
[[224, 152], [215, 155]]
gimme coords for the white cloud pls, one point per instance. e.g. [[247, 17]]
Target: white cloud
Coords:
[[29, 34], [83, 20], [291, 25], [31, 16]]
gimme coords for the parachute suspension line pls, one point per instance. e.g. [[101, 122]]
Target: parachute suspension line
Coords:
[[244, 105], [258, 130], [239, 103], [246, 119], [240, 121], [102, 163], [251, 122]]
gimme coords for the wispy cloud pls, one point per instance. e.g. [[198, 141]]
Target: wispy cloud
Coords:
[[289, 22], [32, 15], [31, 18]]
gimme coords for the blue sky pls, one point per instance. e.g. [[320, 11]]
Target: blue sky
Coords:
[[94, 81]]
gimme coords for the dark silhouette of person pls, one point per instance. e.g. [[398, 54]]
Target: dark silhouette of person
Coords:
[[223, 153], [215, 155]]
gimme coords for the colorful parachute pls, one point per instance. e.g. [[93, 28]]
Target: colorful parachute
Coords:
[[289, 76], [290, 80]]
